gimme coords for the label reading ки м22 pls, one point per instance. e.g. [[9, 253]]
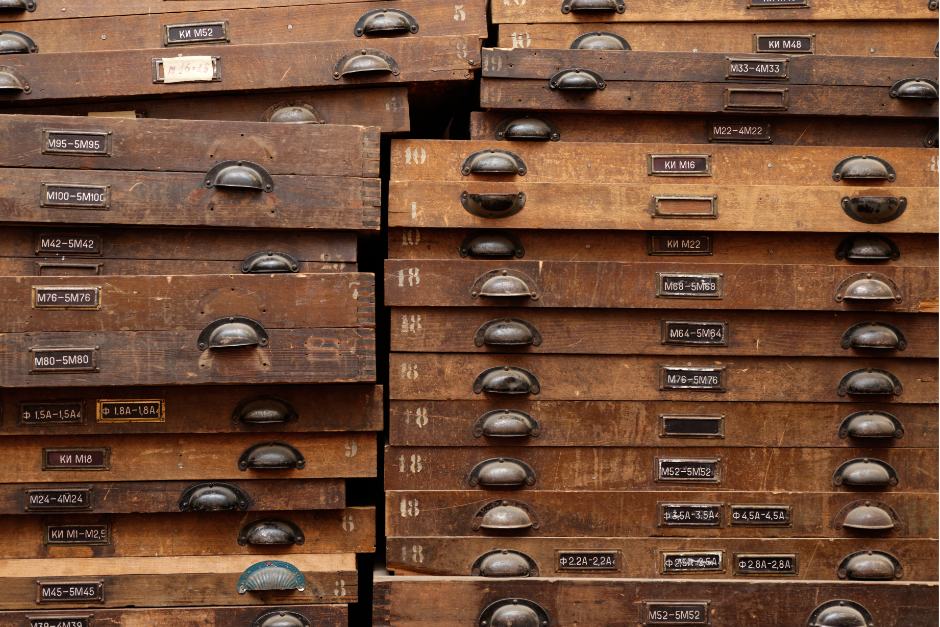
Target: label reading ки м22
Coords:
[[675, 613], [43, 360], [130, 410], [682, 285], [757, 131], [693, 561], [691, 378], [66, 297], [679, 165], [68, 244], [760, 515], [43, 499], [688, 470], [76, 458], [60, 620], [695, 333], [67, 195], [690, 514], [59, 591], [78, 534], [766, 564], [757, 68], [65, 413], [85, 143], [587, 560], [680, 244]]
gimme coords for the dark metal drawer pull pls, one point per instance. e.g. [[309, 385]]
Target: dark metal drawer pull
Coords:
[[867, 248], [863, 167], [514, 613], [528, 128], [507, 332], [865, 472], [17, 5], [505, 516], [271, 575], [869, 381], [365, 60], [506, 423], [506, 380], [867, 516], [504, 563], [13, 81], [493, 206], [239, 175], [271, 531], [491, 244], [874, 335], [871, 424], [921, 88], [212, 497], [269, 262], [504, 283], [12, 42], [840, 614], [600, 41], [493, 161], [870, 565], [567, 6], [868, 286], [281, 618], [293, 112], [932, 138], [874, 209], [576, 78], [232, 332], [271, 456], [381, 21], [266, 410], [501, 472]]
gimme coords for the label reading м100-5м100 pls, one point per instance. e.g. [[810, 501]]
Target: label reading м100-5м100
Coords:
[[68, 195]]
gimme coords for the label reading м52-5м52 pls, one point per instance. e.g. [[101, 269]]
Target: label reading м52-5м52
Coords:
[[674, 613]]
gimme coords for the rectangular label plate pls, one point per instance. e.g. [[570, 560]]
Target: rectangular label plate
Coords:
[[587, 560], [66, 297], [45, 360], [215, 73], [784, 44], [687, 207], [59, 620], [688, 470], [671, 562], [195, 33], [675, 613], [690, 514], [131, 410], [83, 143], [35, 414], [755, 99], [69, 591], [778, 4], [753, 132], [692, 378], [671, 426], [765, 564], [778, 69], [679, 244], [679, 165], [681, 285], [74, 196], [78, 534], [761, 515], [97, 458], [53, 499], [689, 333], [68, 244]]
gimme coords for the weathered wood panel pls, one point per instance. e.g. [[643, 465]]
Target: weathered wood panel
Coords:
[[626, 423], [161, 267], [172, 581], [642, 558], [437, 283], [350, 530], [204, 409], [636, 514], [179, 458], [319, 615]]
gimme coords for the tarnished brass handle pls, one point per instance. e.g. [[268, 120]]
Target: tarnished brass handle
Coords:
[[269, 262], [212, 497], [505, 516], [239, 175], [271, 456], [504, 563], [868, 286], [873, 335], [13, 42], [385, 21], [504, 283], [506, 380], [491, 244], [293, 112], [501, 472], [870, 566], [867, 381], [365, 60], [12, 81], [867, 247], [577, 78], [874, 209], [865, 472], [514, 613], [507, 332], [867, 516], [528, 128], [840, 613], [232, 332], [863, 167], [871, 424], [600, 41], [506, 423], [270, 531], [271, 575], [567, 6], [920, 88], [281, 618], [259, 410], [493, 161], [493, 206]]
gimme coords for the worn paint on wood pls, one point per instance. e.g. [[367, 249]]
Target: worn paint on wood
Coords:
[[325, 615]]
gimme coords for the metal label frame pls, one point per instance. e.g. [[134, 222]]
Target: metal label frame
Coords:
[[656, 199], [46, 618], [92, 367], [88, 506], [40, 251], [652, 171], [662, 522], [720, 419], [777, 4], [721, 139], [733, 506], [735, 571], [101, 401], [665, 386], [47, 541], [104, 450], [667, 341], [98, 583], [226, 35], [96, 289], [718, 294], [663, 554], [79, 402], [783, 92], [105, 189], [157, 71], [756, 37], [46, 150], [744, 77], [648, 606], [42, 265], [658, 469], [616, 553]]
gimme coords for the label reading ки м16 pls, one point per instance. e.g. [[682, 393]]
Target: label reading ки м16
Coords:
[[692, 426], [757, 132], [683, 378], [60, 621], [59, 591], [78, 534], [690, 514], [68, 244], [675, 613], [76, 458], [197, 33], [66, 297], [69, 412], [130, 410], [42, 499], [760, 515], [790, 44], [679, 165], [680, 244], [751, 564], [688, 470], [757, 68], [85, 143], [44, 360], [587, 560], [66, 195], [681, 285], [695, 333], [694, 561]]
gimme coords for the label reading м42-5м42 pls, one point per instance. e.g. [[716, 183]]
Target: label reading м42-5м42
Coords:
[[68, 244]]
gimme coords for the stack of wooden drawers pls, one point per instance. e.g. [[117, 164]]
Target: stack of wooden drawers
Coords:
[[661, 370]]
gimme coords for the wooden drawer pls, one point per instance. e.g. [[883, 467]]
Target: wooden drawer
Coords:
[[350, 530], [459, 601], [642, 424], [695, 129], [205, 409], [194, 457], [38, 251], [325, 615], [658, 558], [108, 8], [153, 497], [650, 332], [659, 285], [856, 39], [661, 469], [641, 514], [173, 581]]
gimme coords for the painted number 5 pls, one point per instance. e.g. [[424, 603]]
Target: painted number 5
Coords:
[[459, 15]]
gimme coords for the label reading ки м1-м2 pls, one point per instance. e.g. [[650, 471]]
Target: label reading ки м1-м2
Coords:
[[60, 620], [68, 412], [690, 514], [682, 285], [59, 591], [675, 613], [78, 534], [688, 470]]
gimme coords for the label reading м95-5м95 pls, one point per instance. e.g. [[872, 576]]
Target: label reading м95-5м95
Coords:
[[69, 195], [82, 143]]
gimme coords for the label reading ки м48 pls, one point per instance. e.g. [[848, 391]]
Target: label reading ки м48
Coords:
[[790, 44], [757, 68], [59, 591], [682, 285], [68, 244], [765, 564], [693, 561], [690, 514], [675, 613], [67, 412], [78, 534], [60, 620]]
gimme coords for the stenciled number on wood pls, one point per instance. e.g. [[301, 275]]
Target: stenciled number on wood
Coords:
[[416, 554], [409, 508], [421, 417], [348, 524], [459, 14], [412, 276], [415, 156], [351, 448], [409, 371], [411, 237], [415, 467], [411, 324], [462, 51], [521, 40], [340, 590]]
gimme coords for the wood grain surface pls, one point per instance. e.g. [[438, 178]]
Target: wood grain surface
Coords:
[[320, 615]]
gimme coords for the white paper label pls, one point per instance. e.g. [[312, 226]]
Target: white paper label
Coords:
[[187, 69]]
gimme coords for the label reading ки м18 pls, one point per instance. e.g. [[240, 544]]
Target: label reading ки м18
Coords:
[[65, 413], [76, 458], [675, 613], [44, 360], [130, 411], [681, 285], [85, 143], [41, 499], [78, 196], [78, 534], [760, 515], [751, 564], [790, 44], [695, 333], [690, 514], [680, 244], [66, 297], [683, 378], [757, 68], [68, 244], [693, 561], [60, 621], [201, 33], [692, 426], [59, 591], [688, 470], [757, 132], [587, 560], [679, 165]]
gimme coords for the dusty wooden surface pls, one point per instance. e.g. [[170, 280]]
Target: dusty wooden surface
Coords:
[[205, 409], [859, 39], [161, 267], [636, 514], [641, 558], [437, 283], [319, 615], [350, 530], [632, 423], [739, 469], [693, 129], [457, 602], [123, 497], [642, 332]]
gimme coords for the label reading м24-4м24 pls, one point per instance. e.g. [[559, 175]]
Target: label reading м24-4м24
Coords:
[[52, 499]]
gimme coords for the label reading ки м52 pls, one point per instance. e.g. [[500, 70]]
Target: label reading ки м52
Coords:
[[196, 33]]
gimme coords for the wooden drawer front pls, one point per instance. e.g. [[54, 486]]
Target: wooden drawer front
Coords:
[[438, 283], [650, 332], [692, 129], [350, 530], [632, 423], [237, 67], [171, 581], [656, 558], [523, 469], [638, 514], [168, 457], [698, 244], [458, 602], [383, 107], [166, 496], [109, 8], [857, 39], [327, 615], [251, 25], [208, 409]]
